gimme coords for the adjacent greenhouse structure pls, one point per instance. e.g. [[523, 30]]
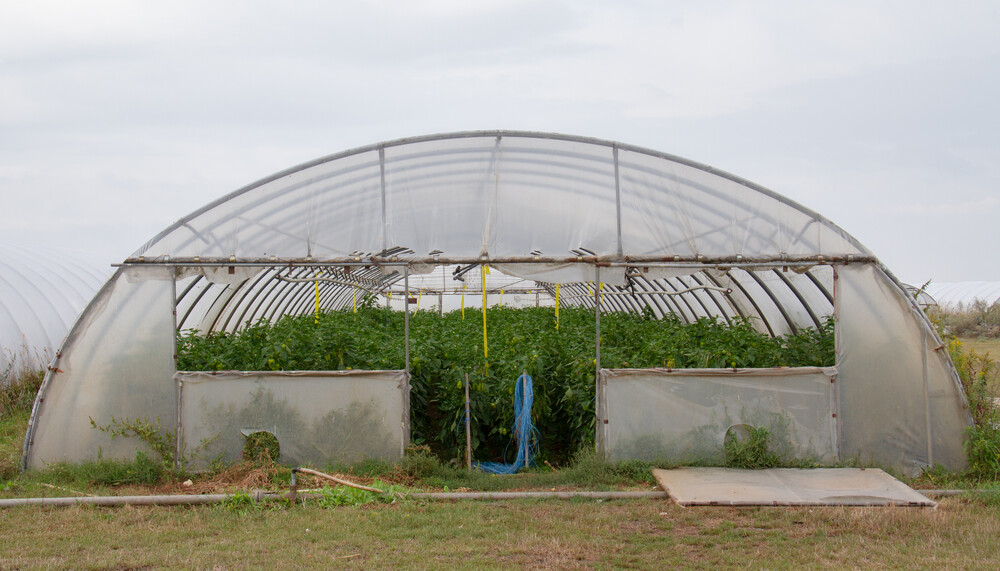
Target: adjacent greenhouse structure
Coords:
[[42, 290], [598, 224]]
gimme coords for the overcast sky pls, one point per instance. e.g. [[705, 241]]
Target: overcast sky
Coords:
[[118, 118]]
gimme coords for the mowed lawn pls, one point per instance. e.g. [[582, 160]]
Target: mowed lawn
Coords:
[[557, 534], [984, 345]]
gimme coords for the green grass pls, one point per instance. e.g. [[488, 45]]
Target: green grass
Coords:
[[471, 535]]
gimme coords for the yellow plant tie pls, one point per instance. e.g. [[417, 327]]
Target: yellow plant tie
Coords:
[[354, 294], [420, 295], [486, 351], [557, 307], [464, 285], [317, 301]]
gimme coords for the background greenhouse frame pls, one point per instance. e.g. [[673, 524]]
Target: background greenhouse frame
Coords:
[[685, 238]]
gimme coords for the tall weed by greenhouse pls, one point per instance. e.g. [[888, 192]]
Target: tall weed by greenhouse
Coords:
[[444, 348]]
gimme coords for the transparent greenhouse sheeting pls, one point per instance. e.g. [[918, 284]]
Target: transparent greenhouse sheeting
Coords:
[[117, 362], [42, 291], [777, 301], [953, 296], [318, 417], [901, 402], [683, 415], [501, 195]]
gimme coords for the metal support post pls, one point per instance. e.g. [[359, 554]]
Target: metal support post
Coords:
[[406, 318]]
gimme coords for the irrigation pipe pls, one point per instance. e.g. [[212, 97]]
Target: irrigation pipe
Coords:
[[173, 500], [534, 495], [258, 495]]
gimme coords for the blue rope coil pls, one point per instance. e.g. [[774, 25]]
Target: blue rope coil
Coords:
[[525, 433]]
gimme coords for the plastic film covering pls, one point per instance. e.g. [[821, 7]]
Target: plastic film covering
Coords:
[[964, 295], [207, 303], [901, 402], [776, 301], [501, 195], [684, 415], [318, 417], [327, 209], [117, 361], [42, 291]]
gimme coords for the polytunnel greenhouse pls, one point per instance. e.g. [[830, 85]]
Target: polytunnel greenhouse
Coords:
[[549, 221], [42, 290]]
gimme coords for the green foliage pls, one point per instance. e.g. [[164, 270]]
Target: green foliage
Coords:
[[750, 451], [12, 429], [445, 348], [983, 448], [261, 448], [983, 439], [348, 496], [241, 503], [418, 462], [19, 394], [161, 441], [977, 319], [142, 471]]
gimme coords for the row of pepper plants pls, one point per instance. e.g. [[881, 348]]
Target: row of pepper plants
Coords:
[[560, 359]]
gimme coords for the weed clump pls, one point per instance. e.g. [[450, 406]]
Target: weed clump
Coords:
[[976, 319], [982, 445], [261, 447], [748, 449], [19, 395]]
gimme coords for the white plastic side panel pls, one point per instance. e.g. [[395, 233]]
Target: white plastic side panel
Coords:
[[318, 417], [887, 415], [683, 415], [118, 361]]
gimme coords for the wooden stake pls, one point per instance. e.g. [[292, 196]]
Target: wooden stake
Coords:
[[468, 427]]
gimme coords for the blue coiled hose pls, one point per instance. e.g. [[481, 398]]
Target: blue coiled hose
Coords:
[[524, 430]]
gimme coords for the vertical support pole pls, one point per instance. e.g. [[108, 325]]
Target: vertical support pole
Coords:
[[597, 344], [838, 351], [441, 304], [468, 427], [385, 216], [618, 201], [927, 400], [486, 351], [406, 317], [178, 427]]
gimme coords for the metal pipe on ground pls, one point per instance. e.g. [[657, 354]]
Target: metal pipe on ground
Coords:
[[260, 496], [171, 500]]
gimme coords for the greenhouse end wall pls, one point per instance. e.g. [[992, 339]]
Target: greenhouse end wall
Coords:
[[318, 417], [683, 416], [116, 364]]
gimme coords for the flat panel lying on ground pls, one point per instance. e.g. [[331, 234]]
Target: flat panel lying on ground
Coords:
[[787, 487]]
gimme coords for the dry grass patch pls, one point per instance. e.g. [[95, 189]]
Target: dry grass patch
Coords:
[[539, 534]]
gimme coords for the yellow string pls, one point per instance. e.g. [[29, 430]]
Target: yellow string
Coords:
[[317, 302], [420, 296], [354, 293], [463, 300], [557, 307]]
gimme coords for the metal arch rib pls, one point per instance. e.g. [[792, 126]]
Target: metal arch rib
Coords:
[[506, 134]]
